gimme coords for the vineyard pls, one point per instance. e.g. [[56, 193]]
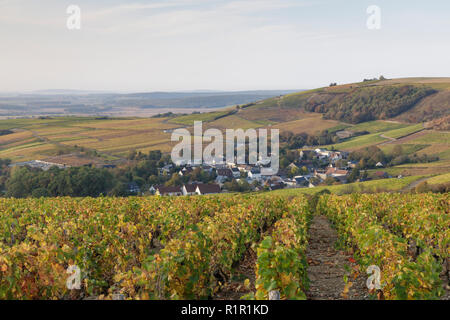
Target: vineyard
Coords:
[[191, 247]]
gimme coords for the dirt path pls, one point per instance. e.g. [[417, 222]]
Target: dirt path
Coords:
[[234, 289], [328, 266], [414, 184], [387, 142]]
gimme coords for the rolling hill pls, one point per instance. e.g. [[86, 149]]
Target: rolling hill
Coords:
[[393, 107]]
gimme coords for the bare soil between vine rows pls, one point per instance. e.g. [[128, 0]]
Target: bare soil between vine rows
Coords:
[[327, 266]]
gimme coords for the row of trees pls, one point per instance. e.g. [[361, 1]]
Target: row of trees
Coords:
[[371, 103], [142, 169], [297, 141], [363, 103], [76, 182]]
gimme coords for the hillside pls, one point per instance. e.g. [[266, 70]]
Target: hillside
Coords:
[[111, 139], [409, 100]]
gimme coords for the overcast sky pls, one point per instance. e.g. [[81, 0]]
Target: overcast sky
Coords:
[[145, 45]]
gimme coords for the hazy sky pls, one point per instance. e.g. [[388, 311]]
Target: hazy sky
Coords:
[[145, 45]]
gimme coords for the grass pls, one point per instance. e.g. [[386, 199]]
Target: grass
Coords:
[[376, 137], [41, 138], [440, 163], [406, 148], [233, 122], [312, 124], [401, 132], [359, 142], [434, 137], [188, 120], [443, 178], [393, 184], [377, 126]]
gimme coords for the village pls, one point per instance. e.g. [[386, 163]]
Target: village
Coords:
[[313, 167], [309, 167]]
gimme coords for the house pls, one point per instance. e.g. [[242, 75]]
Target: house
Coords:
[[255, 173], [277, 186], [344, 134], [322, 153], [203, 189], [223, 175], [267, 173], [301, 181], [244, 167], [133, 188], [334, 172], [207, 168], [189, 189], [335, 156], [44, 165], [165, 170], [352, 164], [275, 183], [168, 191], [381, 175], [341, 179], [320, 174], [379, 165], [290, 182], [185, 171], [236, 172], [276, 179]]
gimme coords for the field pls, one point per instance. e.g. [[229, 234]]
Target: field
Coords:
[[40, 139], [381, 133], [443, 178], [193, 247], [382, 185], [111, 138]]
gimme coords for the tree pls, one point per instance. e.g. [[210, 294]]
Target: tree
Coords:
[[40, 192], [119, 190], [354, 175], [175, 180], [132, 154], [329, 181], [397, 151], [304, 170], [422, 187], [295, 171]]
